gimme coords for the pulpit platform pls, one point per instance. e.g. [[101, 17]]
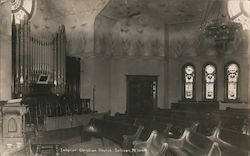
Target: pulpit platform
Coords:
[[196, 106]]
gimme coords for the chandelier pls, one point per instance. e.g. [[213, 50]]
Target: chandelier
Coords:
[[222, 31]]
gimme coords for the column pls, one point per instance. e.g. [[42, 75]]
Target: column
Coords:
[[5, 52]]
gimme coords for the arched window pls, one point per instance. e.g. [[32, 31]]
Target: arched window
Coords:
[[232, 81], [22, 8], [189, 80], [209, 82], [12, 125]]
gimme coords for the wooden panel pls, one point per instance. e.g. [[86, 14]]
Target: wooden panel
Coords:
[[141, 94], [73, 83]]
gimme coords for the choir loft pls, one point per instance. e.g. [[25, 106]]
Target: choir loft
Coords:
[[125, 77]]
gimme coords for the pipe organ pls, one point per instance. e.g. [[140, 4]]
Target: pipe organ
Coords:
[[39, 74], [37, 60]]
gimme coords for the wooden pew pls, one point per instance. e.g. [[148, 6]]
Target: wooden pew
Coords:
[[151, 125], [246, 127], [124, 119], [193, 144], [128, 139], [118, 132], [178, 128], [207, 127], [231, 142], [230, 119], [155, 145], [171, 126]]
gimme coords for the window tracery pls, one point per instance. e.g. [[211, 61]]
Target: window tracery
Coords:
[[189, 75], [22, 8], [210, 81], [232, 73]]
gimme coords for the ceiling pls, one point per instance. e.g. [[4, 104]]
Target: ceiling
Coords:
[[74, 14], [167, 11], [77, 14]]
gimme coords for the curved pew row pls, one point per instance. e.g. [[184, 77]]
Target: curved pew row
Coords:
[[162, 124], [189, 144], [168, 128], [209, 120], [193, 144], [124, 133]]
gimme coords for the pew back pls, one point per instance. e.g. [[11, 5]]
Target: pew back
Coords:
[[234, 138], [155, 145], [193, 144], [198, 142]]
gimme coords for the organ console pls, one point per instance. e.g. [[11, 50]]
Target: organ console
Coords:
[[34, 56]]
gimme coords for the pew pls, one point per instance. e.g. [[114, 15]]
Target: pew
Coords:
[[171, 126], [135, 116], [128, 139], [179, 127], [207, 127], [232, 122], [124, 119], [193, 144], [207, 120], [155, 145], [231, 142], [112, 127], [149, 126], [246, 127], [118, 132]]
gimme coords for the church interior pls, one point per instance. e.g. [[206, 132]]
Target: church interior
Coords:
[[124, 77]]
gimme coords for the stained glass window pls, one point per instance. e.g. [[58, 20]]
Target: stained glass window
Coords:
[[232, 73], [210, 81], [22, 8], [189, 74]]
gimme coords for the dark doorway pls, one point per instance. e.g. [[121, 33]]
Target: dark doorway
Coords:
[[141, 94]]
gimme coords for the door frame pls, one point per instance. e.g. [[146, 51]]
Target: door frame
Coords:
[[155, 101]]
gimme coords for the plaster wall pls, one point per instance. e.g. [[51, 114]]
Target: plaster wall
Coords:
[[121, 67], [125, 47]]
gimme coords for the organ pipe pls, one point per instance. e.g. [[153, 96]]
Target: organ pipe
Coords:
[[34, 56]]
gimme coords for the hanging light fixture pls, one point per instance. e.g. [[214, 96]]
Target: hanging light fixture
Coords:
[[222, 30]]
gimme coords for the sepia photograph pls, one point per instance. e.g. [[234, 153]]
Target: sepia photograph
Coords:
[[124, 78]]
